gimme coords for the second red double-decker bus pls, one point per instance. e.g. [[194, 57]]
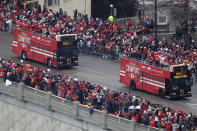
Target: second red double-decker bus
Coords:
[[165, 82], [58, 53]]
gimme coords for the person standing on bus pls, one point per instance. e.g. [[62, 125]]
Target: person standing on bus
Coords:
[[9, 24], [2, 21]]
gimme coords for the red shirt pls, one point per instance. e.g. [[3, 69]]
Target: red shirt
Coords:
[[152, 123], [168, 128]]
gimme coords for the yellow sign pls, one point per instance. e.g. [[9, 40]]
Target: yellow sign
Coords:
[[182, 76], [67, 43], [68, 61], [111, 18]]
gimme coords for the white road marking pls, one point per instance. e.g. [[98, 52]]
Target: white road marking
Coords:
[[191, 104]]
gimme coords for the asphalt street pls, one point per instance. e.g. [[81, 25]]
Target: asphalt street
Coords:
[[101, 71]]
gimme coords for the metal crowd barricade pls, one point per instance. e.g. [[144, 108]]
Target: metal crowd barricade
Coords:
[[95, 50]]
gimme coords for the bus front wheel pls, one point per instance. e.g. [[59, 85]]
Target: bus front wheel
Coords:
[[133, 85], [24, 55]]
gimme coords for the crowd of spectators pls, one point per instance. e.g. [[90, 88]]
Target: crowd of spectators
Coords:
[[105, 37], [98, 97]]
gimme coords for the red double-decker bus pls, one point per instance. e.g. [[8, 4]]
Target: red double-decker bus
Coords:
[[171, 82], [58, 53]]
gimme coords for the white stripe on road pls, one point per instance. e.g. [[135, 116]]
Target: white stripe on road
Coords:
[[191, 104]]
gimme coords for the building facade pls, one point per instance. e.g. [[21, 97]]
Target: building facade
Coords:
[[83, 6]]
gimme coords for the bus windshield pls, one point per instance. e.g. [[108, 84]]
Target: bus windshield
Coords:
[[67, 49], [186, 82], [67, 52], [180, 83]]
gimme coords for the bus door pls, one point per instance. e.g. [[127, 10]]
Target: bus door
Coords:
[[36, 52], [48, 53], [148, 82], [123, 72], [32, 46], [143, 80], [54, 52], [15, 44], [27, 46]]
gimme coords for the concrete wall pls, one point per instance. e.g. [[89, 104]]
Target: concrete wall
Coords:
[[83, 6], [31, 109], [19, 117]]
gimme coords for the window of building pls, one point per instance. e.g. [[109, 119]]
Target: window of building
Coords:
[[162, 19], [45, 2], [50, 2], [57, 2]]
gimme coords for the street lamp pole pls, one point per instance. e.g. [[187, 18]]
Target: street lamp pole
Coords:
[[143, 9], [111, 6], [156, 21]]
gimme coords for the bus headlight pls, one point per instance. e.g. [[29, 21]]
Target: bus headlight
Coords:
[[175, 88]]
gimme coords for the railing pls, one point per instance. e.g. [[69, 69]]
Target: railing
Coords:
[[73, 109], [116, 55], [147, 63], [96, 51]]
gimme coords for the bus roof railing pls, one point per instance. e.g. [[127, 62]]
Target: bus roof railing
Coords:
[[169, 68], [148, 63], [35, 33], [32, 32]]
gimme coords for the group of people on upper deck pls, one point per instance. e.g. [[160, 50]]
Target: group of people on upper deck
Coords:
[[106, 36], [133, 41]]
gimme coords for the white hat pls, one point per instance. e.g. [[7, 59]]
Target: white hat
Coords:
[[75, 79], [48, 70]]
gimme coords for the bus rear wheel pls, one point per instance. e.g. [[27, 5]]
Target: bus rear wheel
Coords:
[[24, 55], [49, 62], [133, 85]]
